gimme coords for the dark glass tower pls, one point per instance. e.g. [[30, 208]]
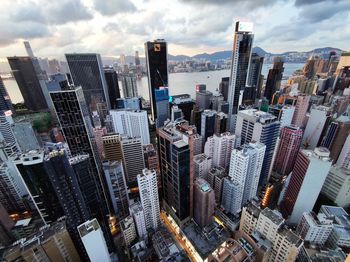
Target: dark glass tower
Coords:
[[223, 87], [5, 100], [87, 71], [28, 82], [242, 46], [274, 78], [254, 81], [157, 69], [113, 86]]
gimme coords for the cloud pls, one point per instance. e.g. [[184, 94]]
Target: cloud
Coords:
[[311, 2], [246, 3], [112, 7]]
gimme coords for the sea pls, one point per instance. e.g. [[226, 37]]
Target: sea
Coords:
[[179, 83]]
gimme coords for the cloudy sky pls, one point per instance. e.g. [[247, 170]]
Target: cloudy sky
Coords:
[[113, 27]]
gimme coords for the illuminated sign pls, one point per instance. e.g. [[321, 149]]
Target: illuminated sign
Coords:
[[156, 47], [244, 27]]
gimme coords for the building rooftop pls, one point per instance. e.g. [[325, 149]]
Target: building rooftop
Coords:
[[126, 223], [341, 217], [253, 209], [255, 116], [273, 215], [291, 237], [23, 222]]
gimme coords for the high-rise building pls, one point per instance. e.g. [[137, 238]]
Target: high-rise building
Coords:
[[133, 123], [304, 186], [162, 105], [7, 136], [99, 132], [219, 148], [207, 124], [87, 71], [203, 99], [157, 69], [315, 125], [220, 123], [129, 85], [129, 103], [337, 186], [113, 86], [215, 179], [301, 108], [152, 161], [147, 183], [117, 186], [176, 113], [259, 126], [288, 148], [185, 103], [202, 165], [28, 82], [139, 218], [241, 53], [344, 157], [245, 169], [254, 80], [94, 242], [112, 147], [5, 100], [283, 113], [223, 87], [274, 78], [204, 202], [25, 136], [128, 229]]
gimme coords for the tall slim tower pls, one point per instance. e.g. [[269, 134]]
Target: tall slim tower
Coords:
[[274, 78], [147, 182], [255, 79], [300, 110], [113, 86], [241, 53], [87, 71], [5, 100], [204, 202], [157, 69]]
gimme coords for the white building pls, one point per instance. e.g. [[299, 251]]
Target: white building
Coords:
[[337, 186], [133, 123], [314, 127], [93, 240], [219, 148], [127, 226], [344, 157], [139, 218], [147, 182], [202, 164]]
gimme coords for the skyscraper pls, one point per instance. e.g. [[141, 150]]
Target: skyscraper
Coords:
[[254, 80], [137, 213], [113, 86], [306, 181], [147, 182], [202, 165], [204, 202], [87, 71], [344, 156], [129, 85], [241, 53], [157, 69], [203, 99], [28, 82], [207, 124], [224, 86], [283, 113], [288, 148], [133, 123], [183, 102], [274, 78], [162, 105], [7, 136], [215, 179], [5, 100], [259, 126], [301, 108]]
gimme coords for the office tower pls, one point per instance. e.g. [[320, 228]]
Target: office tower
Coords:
[[255, 80], [112, 147], [112, 84], [152, 161], [244, 173], [133, 123], [128, 229], [176, 113], [274, 78], [301, 107], [99, 132], [139, 218], [185, 103], [25, 136], [28, 82], [224, 86], [87, 71], [147, 183], [283, 113], [5, 100], [196, 118], [314, 229], [304, 186], [288, 148], [118, 191], [216, 101], [129, 85], [176, 156], [204, 202], [207, 124], [133, 159], [73, 116], [7, 136], [50, 243], [203, 99], [28, 48], [202, 165], [220, 123], [162, 105], [344, 157], [241, 53], [215, 179], [157, 69], [337, 186], [129, 103], [315, 125], [219, 148], [254, 125], [94, 242]]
